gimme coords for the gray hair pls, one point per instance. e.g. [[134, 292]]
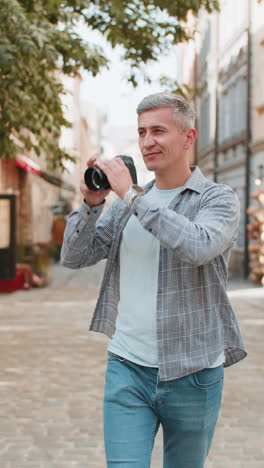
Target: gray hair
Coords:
[[182, 110]]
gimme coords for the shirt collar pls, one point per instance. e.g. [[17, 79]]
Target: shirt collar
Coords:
[[196, 181]]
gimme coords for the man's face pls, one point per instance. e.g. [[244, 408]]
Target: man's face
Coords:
[[162, 146]]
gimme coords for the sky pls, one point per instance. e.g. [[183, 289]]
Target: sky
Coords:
[[110, 91]]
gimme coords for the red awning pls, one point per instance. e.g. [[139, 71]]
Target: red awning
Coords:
[[28, 165], [25, 163]]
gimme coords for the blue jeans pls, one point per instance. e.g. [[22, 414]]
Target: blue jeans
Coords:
[[136, 403]]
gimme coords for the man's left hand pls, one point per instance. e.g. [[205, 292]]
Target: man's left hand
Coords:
[[117, 174]]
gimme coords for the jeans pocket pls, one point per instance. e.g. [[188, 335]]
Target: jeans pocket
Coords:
[[115, 357], [207, 378]]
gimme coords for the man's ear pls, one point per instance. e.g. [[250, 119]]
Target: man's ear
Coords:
[[191, 135]]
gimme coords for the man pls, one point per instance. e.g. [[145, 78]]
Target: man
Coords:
[[163, 298]]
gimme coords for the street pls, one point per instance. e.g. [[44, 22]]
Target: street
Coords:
[[52, 373]]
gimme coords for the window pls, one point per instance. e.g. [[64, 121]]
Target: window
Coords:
[[233, 110]]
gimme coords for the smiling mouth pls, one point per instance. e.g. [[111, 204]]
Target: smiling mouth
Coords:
[[151, 155]]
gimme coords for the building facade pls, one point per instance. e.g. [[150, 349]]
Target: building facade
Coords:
[[226, 73]]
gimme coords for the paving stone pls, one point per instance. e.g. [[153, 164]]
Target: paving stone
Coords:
[[52, 377]]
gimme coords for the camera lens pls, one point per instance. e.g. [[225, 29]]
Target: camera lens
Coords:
[[95, 179]]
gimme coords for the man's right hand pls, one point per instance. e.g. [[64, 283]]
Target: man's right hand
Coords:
[[92, 198]]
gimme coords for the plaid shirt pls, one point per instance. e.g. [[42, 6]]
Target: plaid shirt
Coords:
[[195, 321]]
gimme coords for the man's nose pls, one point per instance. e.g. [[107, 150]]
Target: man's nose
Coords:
[[148, 141]]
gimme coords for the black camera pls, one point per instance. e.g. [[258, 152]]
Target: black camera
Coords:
[[96, 180]]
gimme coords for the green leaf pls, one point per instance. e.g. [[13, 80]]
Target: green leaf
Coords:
[[40, 40]]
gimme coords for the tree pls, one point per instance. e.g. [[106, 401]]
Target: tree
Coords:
[[39, 41]]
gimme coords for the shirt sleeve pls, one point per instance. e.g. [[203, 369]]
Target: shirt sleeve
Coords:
[[198, 242], [86, 238]]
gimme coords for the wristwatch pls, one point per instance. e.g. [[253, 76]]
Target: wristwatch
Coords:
[[133, 192]]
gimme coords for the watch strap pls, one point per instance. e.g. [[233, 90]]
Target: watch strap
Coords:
[[133, 192]]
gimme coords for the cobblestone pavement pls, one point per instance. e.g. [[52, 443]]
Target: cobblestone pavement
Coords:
[[52, 373]]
